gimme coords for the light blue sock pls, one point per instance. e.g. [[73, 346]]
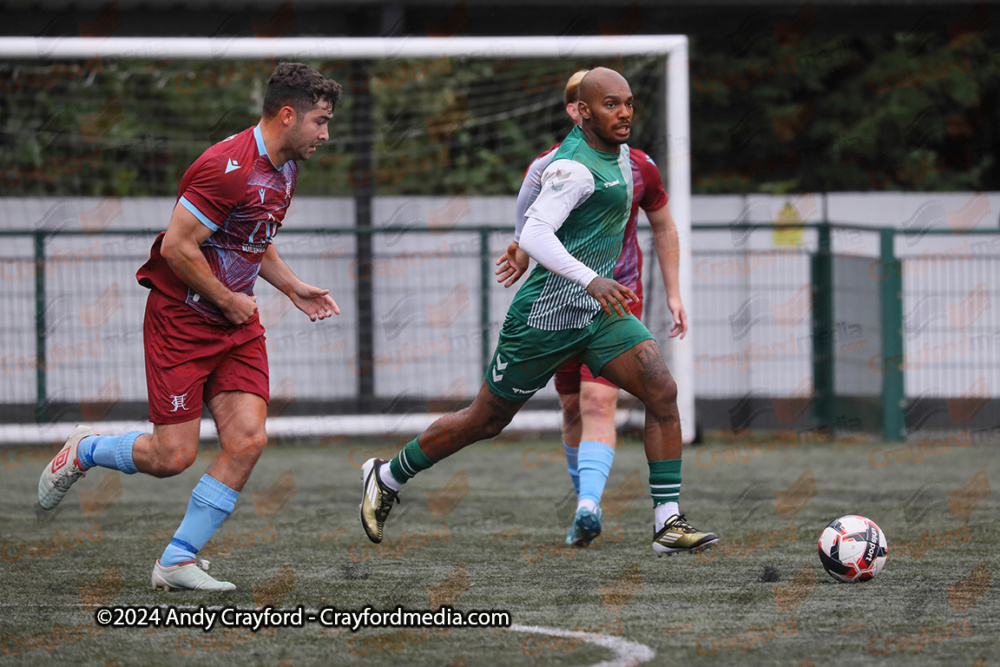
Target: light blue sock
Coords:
[[594, 464], [211, 502], [109, 451], [571, 463]]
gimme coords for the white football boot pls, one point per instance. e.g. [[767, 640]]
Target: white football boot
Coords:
[[187, 576], [63, 470]]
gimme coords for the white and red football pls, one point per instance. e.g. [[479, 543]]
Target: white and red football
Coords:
[[852, 548]]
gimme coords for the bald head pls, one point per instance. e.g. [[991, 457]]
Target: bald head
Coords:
[[606, 109], [601, 81]]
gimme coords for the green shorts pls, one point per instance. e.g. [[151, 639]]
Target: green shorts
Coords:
[[526, 358]]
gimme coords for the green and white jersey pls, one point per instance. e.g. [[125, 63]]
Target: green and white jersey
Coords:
[[586, 196]]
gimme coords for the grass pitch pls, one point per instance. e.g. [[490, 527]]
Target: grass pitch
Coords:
[[484, 530]]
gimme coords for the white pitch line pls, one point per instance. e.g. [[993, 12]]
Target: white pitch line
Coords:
[[626, 652]]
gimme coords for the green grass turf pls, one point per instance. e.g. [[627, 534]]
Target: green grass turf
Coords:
[[501, 550]]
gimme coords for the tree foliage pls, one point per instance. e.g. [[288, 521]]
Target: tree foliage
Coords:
[[805, 112], [845, 113]]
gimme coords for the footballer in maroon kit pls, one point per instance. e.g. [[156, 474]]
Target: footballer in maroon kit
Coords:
[[203, 339]]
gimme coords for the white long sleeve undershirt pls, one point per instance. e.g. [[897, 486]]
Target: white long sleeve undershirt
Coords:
[[564, 185], [539, 240], [530, 188]]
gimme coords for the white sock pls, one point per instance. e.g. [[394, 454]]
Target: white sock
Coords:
[[385, 474], [586, 504], [663, 512]]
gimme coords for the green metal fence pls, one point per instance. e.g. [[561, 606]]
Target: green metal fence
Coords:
[[842, 328], [74, 310], [848, 329]]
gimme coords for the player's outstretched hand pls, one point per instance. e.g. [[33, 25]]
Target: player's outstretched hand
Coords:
[[314, 302], [680, 318], [240, 308], [611, 294], [512, 263]]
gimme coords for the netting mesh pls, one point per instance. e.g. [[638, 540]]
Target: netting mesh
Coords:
[[95, 148], [131, 128]]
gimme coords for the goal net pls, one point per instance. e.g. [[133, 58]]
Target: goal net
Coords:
[[401, 214]]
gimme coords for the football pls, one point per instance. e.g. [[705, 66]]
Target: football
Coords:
[[852, 548]]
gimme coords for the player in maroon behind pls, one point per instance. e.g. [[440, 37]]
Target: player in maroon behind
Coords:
[[203, 339]]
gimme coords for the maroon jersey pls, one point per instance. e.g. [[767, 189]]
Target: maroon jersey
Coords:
[[648, 194], [236, 191]]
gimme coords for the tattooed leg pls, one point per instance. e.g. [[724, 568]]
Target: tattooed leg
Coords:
[[642, 372]]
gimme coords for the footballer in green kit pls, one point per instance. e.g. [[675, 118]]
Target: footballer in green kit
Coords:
[[568, 307]]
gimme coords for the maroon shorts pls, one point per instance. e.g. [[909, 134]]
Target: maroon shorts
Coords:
[[573, 372], [190, 359]]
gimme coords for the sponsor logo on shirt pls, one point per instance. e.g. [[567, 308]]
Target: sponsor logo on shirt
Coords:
[[611, 184], [232, 165]]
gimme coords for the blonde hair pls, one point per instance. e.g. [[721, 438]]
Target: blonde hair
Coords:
[[572, 91]]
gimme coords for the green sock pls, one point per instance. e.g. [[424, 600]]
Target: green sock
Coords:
[[665, 481], [409, 462]]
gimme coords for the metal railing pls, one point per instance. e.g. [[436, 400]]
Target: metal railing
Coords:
[[837, 327]]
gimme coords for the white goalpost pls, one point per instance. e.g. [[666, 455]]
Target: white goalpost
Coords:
[[676, 170]]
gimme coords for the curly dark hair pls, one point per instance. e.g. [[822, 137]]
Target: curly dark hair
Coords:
[[300, 87]]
